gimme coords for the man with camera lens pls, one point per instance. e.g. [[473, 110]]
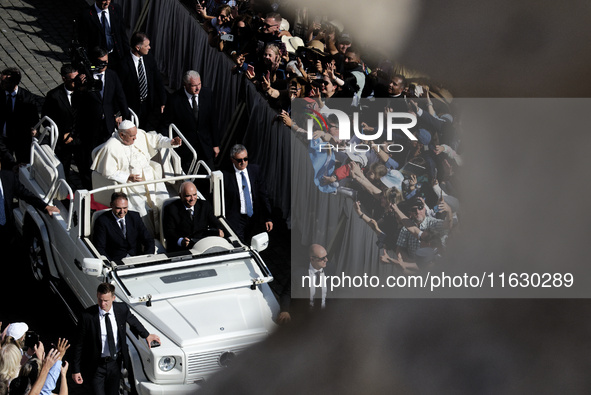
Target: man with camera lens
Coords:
[[102, 25], [58, 107], [100, 104]]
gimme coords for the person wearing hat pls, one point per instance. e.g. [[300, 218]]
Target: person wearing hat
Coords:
[[126, 157], [420, 228], [100, 107], [17, 331]]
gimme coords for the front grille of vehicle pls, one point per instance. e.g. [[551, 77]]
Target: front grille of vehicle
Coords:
[[201, 365]]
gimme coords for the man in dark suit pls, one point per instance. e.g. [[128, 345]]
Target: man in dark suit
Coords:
[[58, 107], [142, 82], [309, 285], [100, 106], [245, 195], [120, 233], [102, 345], [101, 25], [190, 109], [11, 187], [186, 221], [18, 114]]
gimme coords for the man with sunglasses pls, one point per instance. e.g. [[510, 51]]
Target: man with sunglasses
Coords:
[[316, 272], [308, 285], [269, 30], [246, 199], [407, 243]]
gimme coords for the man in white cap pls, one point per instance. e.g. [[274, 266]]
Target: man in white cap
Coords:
[[126, 157]]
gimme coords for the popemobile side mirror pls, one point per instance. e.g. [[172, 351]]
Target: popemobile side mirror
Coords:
[[92, 267], [260, 242]]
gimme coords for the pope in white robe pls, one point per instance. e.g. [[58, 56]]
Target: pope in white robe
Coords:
[[126, 157]]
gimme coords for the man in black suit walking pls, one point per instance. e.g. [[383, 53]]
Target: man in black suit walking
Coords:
[[190, 109], [100, 106], [58, 107], [102, 347], [101, 25], [120, 233], [245, 195], [11, 187], [18, 114], [142, 82], [185, 221]]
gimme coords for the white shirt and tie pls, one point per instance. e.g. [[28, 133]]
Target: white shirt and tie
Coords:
[[69, 95], [122, 224], [190, 98], [105, 352], [314, 281], [100, 11], [241, 190], [101, 78]]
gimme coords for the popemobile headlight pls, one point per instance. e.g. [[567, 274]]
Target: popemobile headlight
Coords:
[[167, 363]]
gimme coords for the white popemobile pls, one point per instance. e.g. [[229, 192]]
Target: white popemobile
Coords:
[[206, 304]]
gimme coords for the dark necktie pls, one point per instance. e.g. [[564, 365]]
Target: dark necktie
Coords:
[[318, 283], [2, 210], [246, 191], [9, 103], [142, 80], [122, 226], [110, 337], [195, 109], [317, 299], [107, 29], [99, 77]]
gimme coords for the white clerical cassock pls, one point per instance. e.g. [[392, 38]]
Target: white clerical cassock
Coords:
[[116, 161]]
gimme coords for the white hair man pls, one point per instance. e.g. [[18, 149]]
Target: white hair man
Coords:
[[126, 157]]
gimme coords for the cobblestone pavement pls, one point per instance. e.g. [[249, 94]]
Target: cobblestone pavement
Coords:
[[35, 36]]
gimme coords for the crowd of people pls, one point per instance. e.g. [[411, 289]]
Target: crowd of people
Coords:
[[110, 78], [407, 195], [400, 183], [26, 367], [405, 186]]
